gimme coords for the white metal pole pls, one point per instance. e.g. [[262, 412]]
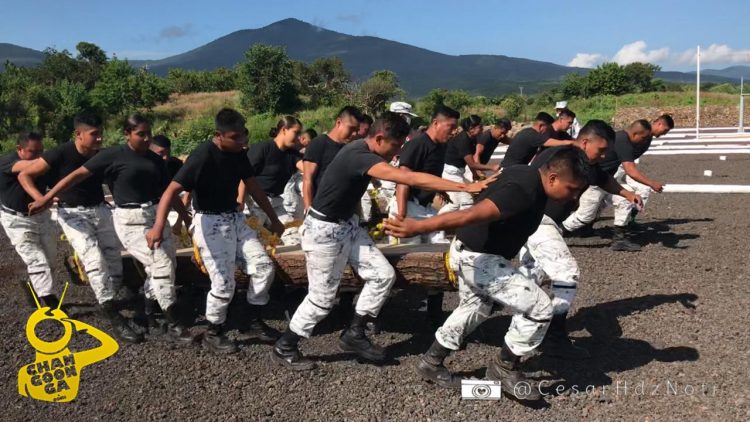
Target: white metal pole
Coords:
[[742, 106], [698, 92]]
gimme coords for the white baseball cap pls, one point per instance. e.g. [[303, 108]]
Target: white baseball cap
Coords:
[[561, 104], [402, 108]]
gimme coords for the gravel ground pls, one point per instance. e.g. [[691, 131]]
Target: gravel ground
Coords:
[[666, 328]]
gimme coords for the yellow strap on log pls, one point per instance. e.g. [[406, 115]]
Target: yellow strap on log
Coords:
[[452, 278]]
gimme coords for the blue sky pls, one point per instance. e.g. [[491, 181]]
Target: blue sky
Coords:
[[581, 33]]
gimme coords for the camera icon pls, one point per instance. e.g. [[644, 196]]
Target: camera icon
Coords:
[[481, 390]]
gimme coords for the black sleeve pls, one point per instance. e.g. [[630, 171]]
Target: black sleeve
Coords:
[[465, 147], [187, 177], [53, 156], [625, 151], [364, 161], [484, 138], [510, 199], [6, 166], [412, 156], [99, 164], [537, 139], [314, 151], [257, 156], [246, 169], [601, 177]]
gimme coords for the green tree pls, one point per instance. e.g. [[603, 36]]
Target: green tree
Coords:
[[640, 76], [326, 82], [375, 92], [266, 81], [121, 88], [573, 85], [514, 106], [607, 79]]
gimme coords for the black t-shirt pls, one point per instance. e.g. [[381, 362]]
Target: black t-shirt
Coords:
[[519, 195], [63, 160], [489, 144], [623, 150], [558, 134], [321, 151], [213, 177], [523, 147], [559, 211], [174, 165], [458, 148], [132, 177], [345, 181], [273, 167], [12, 194], [425, 156]]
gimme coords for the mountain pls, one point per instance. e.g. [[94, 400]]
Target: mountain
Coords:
[[20, 56], [733, 72], [419, 70]]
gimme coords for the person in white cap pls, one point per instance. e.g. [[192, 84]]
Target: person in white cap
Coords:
[[576, 126], [403, 109], [387, 189]]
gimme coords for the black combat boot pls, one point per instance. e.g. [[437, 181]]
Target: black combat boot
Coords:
[[258, 328], [50, 301], [354, 340], [122, 331], [216, 341], [557, 343], [176, 331], [505, 367], [620, 241], [155, 320], [435, 315], [286, 353], [432, 369]]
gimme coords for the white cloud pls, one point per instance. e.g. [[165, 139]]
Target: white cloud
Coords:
[[638, 52], [715, 53], [586, 60]]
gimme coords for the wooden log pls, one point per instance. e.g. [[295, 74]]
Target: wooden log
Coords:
[[416, 266]]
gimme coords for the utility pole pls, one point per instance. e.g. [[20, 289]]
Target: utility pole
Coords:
[[698, 92]]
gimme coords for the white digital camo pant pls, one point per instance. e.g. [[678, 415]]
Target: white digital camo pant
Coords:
[[546, 253], [35, 242], [365, 204], [292, 197], [159, 264], [484, 278], [459, 200], [594, 198], [623, 207], [416, 211], [328, 248], [224, 241], [91, 233]]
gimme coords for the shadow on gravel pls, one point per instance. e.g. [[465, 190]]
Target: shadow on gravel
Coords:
[[610, 352], [644, 233]]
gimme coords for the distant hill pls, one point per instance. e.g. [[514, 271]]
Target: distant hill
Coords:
[[734, 72], [419, 70], [20, 56]]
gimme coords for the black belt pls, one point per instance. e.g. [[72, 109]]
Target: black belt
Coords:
[[318, 216], [215, 212], [134, 205], [66, 205], [14, 212]]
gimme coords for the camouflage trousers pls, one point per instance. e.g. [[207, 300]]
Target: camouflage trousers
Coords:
[[459, 200], [91, 233], [291, 235], [34, 238], [159, 263], [225, 241], [484, 279], [416, 211], [328, 248], [547, 254]]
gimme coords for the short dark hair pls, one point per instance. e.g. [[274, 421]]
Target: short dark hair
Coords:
[[445, 111], [311, 133], [25, 137], [86, 118], [567, 113], [228, 119], [285, 122], [350, 111], [133, 121], [667, 119], [391, 125], [470, 122], [503, 123], [569, 161], [643, 124], [162, 141], [598, 128], [366, 119], [545, 117]]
